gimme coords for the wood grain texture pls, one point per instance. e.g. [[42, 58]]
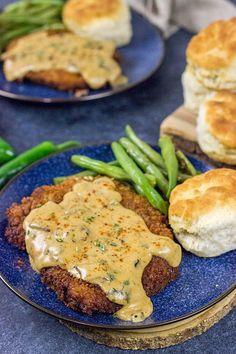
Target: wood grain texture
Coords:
[[162, 336], [182, 123]]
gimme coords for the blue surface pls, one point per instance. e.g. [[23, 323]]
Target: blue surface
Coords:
[[201, 280], [138, 61], [25, 330]]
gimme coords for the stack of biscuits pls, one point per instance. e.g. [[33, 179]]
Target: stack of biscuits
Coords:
[[209, 84]]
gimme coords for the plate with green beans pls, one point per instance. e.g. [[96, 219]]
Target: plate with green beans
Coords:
[[152, 172], [26, 16]]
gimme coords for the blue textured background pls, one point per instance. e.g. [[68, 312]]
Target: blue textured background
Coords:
[[24, 330]]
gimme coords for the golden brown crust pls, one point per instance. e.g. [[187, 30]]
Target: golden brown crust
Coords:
[[199, 195], [215, 46], [76, 293], [221, 117], [59, 79], [80, 295], [84, 12]]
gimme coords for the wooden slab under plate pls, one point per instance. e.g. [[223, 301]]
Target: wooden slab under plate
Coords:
[[161, 336], [181, 123]]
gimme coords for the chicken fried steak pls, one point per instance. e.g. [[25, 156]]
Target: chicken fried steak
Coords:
[[77, 293], [62, 60]]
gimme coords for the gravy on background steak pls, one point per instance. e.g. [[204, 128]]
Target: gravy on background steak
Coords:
[[43, 50], [95, 238]]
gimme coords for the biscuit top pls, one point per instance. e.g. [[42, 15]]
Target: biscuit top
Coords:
[[215, 46], [220, 115], [203, 194], [84, 12]]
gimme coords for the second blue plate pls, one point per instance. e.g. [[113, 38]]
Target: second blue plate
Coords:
[[139, 60]]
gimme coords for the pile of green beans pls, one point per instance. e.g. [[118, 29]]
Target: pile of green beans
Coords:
[[26, 16], [153, 175], [12, 164]]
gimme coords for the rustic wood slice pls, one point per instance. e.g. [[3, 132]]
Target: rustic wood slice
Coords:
[[162, 336], [182, 123]]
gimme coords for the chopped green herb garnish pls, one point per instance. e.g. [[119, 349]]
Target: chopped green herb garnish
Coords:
[[110, 276], [89, 219], [100, 245], [117, 228], [126, 282]]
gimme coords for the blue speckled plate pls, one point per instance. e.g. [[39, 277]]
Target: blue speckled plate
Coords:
[[139, 60], [202, 282]]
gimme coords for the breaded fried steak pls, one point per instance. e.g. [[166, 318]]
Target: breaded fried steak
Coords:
[[89, 295], [62, 60], [59, 79]]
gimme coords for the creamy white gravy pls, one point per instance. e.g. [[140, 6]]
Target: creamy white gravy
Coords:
[[92, 236], [64, 51]]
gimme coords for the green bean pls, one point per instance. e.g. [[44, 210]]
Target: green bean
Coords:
[[67, 145], [185, 163], [170, 160], [143, 162], [21, 6], [15, 165], [60, 179], [138, 189], [14, 33], [183, 177], [100, 167], [39, 11], [153, 155], [108, 169], [138, 177], [37, 20], [6, 151], [24, 17], [136, 154]]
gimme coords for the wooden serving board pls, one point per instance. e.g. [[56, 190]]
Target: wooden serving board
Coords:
[[162, 336], [181, 123]]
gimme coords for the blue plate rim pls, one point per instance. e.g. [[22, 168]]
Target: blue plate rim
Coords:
[[96, 96], [87, 324]]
